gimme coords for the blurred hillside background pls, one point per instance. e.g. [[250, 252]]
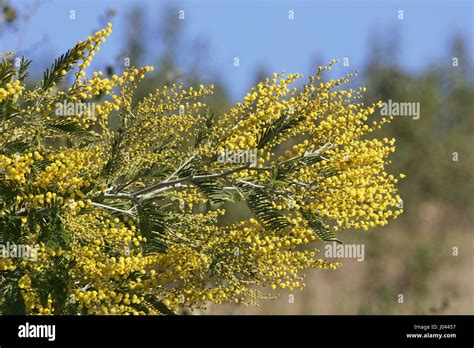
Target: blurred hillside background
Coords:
[[423, 54]]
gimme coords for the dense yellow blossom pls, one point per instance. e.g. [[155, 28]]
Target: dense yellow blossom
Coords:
[[124, 198]]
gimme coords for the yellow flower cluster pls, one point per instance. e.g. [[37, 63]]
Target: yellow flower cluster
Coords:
[[11, 90], [128, 219], [16, 167], [68, 171], [7, 265], [24, 282], [88, 48]]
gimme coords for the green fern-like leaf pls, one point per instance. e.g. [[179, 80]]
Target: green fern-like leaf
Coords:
[[157, 305], [72, 129], [8, 190], [260, 203], [213, 190], [281, 125], [6, 71], [319, 227], [23, 69], [65, 62], [152, 221], [39, 166], [203, 132], [12, 300], [15, 147]]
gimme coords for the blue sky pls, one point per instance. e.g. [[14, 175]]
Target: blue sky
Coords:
[[258, 32]]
